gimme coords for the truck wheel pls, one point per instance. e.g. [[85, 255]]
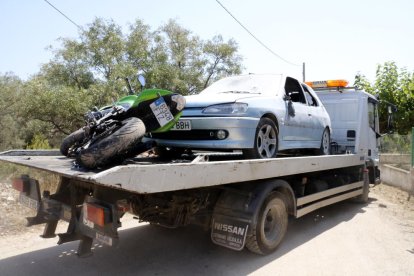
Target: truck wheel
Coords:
[[270, 226], [113, 148], [265, 141], [325, 148], [71, 140]]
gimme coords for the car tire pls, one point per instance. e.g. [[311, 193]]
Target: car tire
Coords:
[[270, 226], [325, 148], [265, 141]]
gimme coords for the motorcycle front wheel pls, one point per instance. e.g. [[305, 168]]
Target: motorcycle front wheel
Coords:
[[114, 147]]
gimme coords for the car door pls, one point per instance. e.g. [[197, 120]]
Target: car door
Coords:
[[316, 115], [297, 118]]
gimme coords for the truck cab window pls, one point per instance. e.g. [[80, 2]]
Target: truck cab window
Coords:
[[372, 115], [294, 90]]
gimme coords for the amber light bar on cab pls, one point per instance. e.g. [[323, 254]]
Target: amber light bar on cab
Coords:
[[327, 83]]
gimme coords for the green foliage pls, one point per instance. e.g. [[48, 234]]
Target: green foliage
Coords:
[[39, 142], [393, 86], [396, 143], [90, 70], [170, 57], [10, 93], [61, 107]]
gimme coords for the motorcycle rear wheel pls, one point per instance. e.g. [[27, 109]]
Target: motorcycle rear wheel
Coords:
[[118, 145], [71, 140]]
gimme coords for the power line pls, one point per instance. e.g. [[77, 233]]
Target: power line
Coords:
[[73, 22], [258, 40]]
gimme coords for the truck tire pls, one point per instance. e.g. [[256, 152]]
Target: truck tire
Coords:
[[265, 141], [270, 226], [71, 140], [113, 148]]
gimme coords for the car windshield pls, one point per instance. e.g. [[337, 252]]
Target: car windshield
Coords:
[[247, 84]]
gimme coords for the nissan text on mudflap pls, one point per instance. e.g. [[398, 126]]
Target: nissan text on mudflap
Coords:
[[244, 203]]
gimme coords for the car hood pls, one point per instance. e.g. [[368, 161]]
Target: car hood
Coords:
[[211, 99]]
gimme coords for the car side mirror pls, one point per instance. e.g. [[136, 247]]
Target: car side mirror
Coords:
[[287, 97], [141, 80]]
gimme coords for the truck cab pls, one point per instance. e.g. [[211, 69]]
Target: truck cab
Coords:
[[355, 122]]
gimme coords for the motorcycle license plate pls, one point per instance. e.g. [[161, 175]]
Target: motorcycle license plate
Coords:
[[161, 112], [182, 125]]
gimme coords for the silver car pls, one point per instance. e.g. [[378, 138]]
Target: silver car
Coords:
[[258, 114]]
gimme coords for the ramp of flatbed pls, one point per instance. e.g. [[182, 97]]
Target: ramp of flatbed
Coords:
[[154, 178]]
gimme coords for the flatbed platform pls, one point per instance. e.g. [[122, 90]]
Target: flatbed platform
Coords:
[[147, 177]]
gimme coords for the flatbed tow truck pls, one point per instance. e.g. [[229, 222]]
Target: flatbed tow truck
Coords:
[[244, 203]]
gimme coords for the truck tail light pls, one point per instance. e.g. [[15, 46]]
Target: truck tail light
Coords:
[[97, 214], [21, 184]]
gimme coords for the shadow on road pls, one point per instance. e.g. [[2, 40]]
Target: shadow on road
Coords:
[[152, 250]]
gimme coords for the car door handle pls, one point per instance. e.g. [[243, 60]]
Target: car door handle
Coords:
[[309, 114]]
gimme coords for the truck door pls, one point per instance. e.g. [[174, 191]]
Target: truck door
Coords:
[[373, 131]]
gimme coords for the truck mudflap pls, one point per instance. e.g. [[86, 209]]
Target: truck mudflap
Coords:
[[228, 232], [88, 220]]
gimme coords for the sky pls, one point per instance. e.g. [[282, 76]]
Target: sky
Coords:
[[335, 39]]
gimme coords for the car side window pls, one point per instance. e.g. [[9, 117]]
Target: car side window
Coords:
[[311, 100], [294, 90]]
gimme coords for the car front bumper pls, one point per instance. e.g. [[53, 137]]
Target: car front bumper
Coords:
[[241, 133]]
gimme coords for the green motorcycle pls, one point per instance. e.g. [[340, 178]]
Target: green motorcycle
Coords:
[[115, 132]]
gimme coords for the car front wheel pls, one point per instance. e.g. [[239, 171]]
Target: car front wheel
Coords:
[[265, 142]]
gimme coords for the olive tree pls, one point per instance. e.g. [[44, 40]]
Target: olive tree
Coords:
[[392, 86]]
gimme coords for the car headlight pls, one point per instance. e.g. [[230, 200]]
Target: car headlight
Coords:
[[227, 109]]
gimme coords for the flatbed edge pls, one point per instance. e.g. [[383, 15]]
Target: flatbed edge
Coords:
[[156, 178]]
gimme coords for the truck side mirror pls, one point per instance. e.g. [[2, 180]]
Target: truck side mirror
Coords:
[[390, 121]]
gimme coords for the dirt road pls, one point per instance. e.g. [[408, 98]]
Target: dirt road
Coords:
[[343, 239]]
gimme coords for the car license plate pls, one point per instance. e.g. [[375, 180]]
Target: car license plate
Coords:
[[182, 125], [161, 111], [28, 202]]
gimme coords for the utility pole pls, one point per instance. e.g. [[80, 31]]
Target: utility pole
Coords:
[[303, 71]]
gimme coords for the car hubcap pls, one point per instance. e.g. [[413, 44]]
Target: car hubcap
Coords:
[[266, 141]]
